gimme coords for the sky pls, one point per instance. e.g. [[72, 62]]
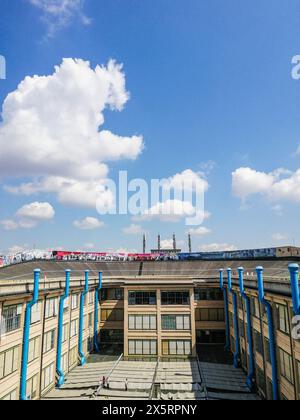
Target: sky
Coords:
[[162, 89]]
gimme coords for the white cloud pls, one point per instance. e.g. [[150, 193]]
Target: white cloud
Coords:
[[200, 231], [133, 230], [60, 13], [279, 185], [9, 224], [187, 180], [170, 211], [217, 247], [51, 131], [29, 216], [36, 211], [168, 243], [89, 223]]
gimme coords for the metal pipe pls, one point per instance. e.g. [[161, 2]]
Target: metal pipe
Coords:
[[227, 345], [294, 275], [59, 371], [97, 295], [251, 373], [82, 357], [235, 319], [26, 334], [267, 305]]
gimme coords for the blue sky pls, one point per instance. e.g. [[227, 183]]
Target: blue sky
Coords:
[[209, 81]]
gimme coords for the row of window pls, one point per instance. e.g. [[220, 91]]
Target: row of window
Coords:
[[210, 294], [210, 314], [11, 315], [169, 347], [150, 298]]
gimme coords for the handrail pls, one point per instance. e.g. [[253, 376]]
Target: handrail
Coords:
[[109, 374], [203, 383], [154, 380]]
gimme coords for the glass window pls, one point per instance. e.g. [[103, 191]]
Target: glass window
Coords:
[[176, 347], [47, 376], [51, 308], [36, 312], [31, 388], [141, 298], [286, 366], [112, 294], [209, 294], [49, 341], [74, 302], [9, 361], [11, 318], [175, 298], [142, 347], [74, 328], [34, 349], [12, 396], [211, 336], [283, 319], [176, 322]]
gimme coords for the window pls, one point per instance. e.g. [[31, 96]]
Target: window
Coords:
[[142, 298], [12, 396], [176, 322], [286, 366], [36, 313], [209, 315], [176, 348], [49, 338], [258, 343], [175, 298], [73, 356], [283, 319], [112, 294], [74, 328], [64, 363], [142, 322], [242, 328], [267, 350], [209, 294], [74, 302], [142, 347], [90, 320], [34, 349], [47, 377], [31, 388], [210, 337], [254, 304], [112, 315], [112, 336], [66, 304], [65, 333], [9, 361], [91, 298], [11, 318], [261, 382], [51, 308]]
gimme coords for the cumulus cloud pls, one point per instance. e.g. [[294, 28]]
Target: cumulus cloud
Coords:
[[36, 211], [60, 13], [187, 180], [51, 130], [168, 243], [200, 231], [89, 223], [133, 229], [215, 247], [168, 211], [279, 185], [29, 216]]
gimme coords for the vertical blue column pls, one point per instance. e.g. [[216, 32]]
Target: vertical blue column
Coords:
[[97, 295], [26, 333], [250, 378], [294, 275], [59, 371], [235, 320], [227, 345], [267, 305], [81, 320]]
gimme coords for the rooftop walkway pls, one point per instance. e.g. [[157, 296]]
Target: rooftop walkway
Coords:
[[156, 380]]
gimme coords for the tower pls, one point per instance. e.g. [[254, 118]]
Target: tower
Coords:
[[144, 244], [159, 243], [190, 243], [174, 242]]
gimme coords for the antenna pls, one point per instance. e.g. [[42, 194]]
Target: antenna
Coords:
[[190, 243]]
